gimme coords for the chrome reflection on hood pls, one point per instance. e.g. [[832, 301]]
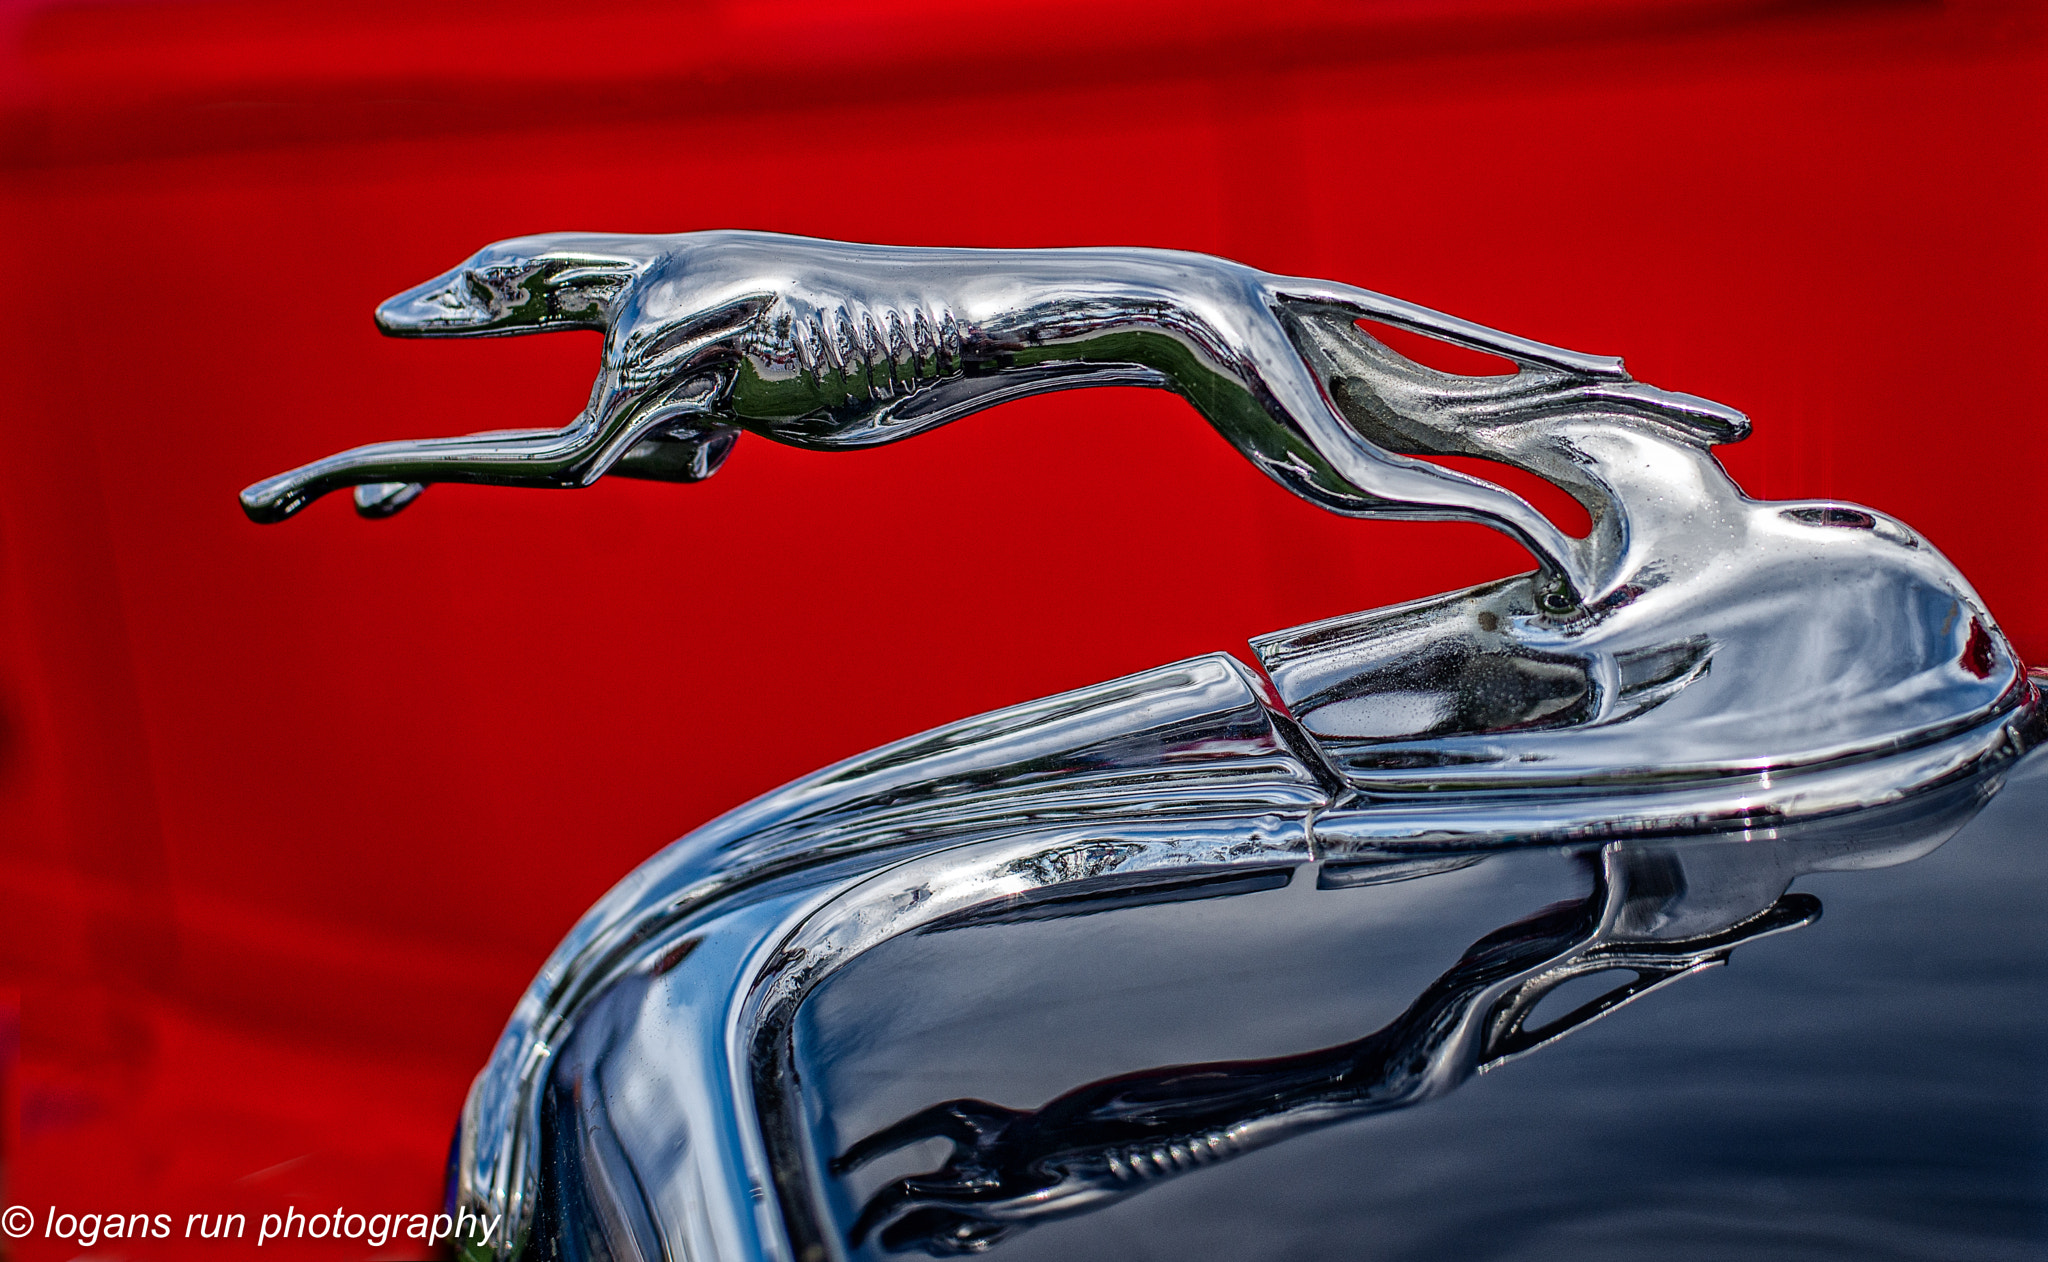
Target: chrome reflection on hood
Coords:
[[674, 1111]]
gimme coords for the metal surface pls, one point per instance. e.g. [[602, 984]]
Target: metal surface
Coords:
[[1122, 1135], [1281, 1073], [1813, 676]]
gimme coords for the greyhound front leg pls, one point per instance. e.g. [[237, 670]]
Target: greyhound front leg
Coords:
[[614, 429], [550, 458], [681, 453], [378, 500]]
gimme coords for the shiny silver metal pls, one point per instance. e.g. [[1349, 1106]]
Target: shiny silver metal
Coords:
[[833, 346], [1811, 676]]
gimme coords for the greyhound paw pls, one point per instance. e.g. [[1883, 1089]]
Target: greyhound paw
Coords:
[[683, 453], [382, 499], [272, 500]]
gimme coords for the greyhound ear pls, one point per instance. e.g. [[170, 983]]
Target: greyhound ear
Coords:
[[587, 285], [1703, 419]]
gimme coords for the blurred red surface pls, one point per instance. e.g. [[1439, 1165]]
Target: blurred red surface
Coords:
[[289, 815]]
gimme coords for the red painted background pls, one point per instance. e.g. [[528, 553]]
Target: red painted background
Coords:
[[289, 815]]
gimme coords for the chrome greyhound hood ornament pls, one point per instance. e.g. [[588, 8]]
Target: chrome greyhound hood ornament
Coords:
[[1700, 662]]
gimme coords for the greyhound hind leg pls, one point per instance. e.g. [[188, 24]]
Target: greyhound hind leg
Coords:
[[680, 452]]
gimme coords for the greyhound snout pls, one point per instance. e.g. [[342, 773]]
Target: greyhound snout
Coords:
[[452, 304]]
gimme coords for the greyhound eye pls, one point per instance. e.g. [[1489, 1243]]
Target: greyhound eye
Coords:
[[499, 287]]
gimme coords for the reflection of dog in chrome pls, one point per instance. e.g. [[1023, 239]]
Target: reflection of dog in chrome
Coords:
[[1011, 1169]]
